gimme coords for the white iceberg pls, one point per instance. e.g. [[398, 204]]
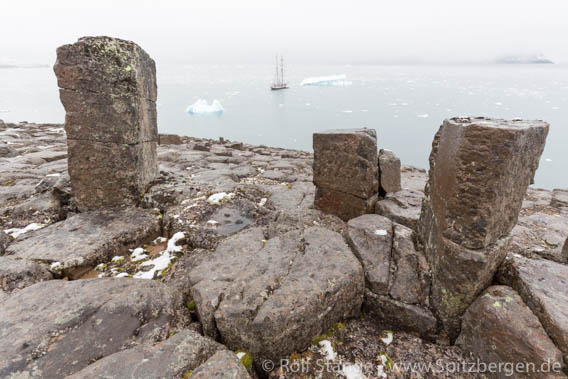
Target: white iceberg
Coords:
[[332, 80], [201, 106]]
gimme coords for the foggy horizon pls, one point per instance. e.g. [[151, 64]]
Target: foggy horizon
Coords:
[[359, 32]]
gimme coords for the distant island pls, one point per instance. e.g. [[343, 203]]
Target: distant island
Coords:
[[526, 59]]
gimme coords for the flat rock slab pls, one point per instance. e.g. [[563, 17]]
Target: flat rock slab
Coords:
[[17, 273], [273, 297], [86, 239], [559, 198], [402, 207], [397, 315], [499, 328], [370, 238], [57, 328], [222, 365], [542, 284], [173, 358]]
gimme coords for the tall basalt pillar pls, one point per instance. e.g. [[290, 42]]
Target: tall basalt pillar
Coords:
[[108, 89], [480, 169], [346, 172]]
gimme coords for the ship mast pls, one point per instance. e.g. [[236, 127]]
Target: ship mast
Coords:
[[282, 69], [276, 81]]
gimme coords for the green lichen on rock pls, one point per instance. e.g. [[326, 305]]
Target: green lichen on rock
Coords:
[[337, 327], [245, 359], [318, 339], [386, 360], [187, 374], [453, 303], [191, 306]]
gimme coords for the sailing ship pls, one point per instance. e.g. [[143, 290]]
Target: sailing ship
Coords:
[[279, 82]]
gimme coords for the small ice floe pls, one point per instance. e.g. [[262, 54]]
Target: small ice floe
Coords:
[[332, 80], [219, 198], [347, 111], [262, 202], [364, 110], [425, 115], [201, 106], [138, 254], [387, 337], [498, 103], [117, 259], [351, 371], [381, 232], [16, 232], [162, 261], [327, 350], [548, 160]]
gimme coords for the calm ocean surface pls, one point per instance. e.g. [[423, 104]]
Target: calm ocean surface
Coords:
[[405, 104]]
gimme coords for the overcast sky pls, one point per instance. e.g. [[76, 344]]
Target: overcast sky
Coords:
[[318, 31]]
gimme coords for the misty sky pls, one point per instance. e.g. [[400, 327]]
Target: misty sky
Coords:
[[308, 31]]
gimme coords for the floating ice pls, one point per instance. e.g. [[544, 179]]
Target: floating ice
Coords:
[[201, 106], [332, 80], [425, 115], [548, 160], [16, 232], [327, 350]]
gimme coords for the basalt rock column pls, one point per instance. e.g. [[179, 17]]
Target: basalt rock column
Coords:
[[346, 172], [108, 89], [479, 173]]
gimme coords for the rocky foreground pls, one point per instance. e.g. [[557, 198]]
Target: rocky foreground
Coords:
[[225, 269]]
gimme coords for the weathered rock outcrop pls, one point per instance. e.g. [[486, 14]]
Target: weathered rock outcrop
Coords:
[[389, 172], [169, 139], [57, 328], [17, 273], [499, 328], [542, 284], [565, 250], [345, 172], [479, 173], [559, 198], [273, 297], [84, 240], [173, 358], [108, 89], [222, 365], [5, 240], [397, 276]]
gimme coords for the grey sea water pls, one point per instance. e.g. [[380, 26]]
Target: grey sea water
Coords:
[[405, 104]]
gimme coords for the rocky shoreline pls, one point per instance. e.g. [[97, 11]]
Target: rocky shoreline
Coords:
[[129, 253], [269, 201]]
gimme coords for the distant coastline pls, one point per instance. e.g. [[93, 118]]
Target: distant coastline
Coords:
[[531, 59], [4, 65]]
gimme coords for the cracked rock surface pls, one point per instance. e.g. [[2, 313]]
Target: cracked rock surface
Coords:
[[57, 328], [271, 299]]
